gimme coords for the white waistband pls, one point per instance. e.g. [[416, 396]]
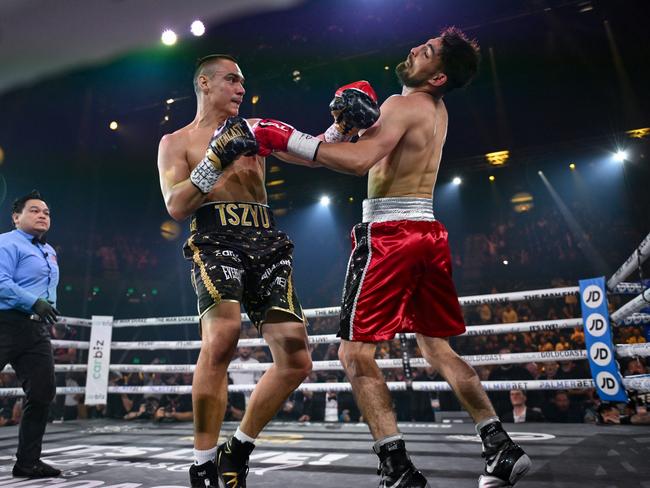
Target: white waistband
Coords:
[[397, 208]]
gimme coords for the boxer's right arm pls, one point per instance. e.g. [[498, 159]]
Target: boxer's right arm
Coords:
[[229, 142], [182, 198]]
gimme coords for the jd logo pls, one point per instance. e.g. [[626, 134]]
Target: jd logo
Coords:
[[596, 324], [607, 383], [600, 353], [592, 296]]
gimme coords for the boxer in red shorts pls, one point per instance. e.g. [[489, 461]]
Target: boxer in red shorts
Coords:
[[399, 275]]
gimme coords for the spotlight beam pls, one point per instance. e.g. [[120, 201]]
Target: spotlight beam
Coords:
[[578, 233]]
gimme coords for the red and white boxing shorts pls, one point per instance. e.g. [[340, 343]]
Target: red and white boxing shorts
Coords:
[[399, 274]]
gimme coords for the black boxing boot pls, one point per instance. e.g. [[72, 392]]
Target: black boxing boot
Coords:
[[204, 475], [232, 462], [506, 462], [395, 467]]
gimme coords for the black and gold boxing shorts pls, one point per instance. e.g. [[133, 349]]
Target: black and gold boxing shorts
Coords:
[[238, 255]]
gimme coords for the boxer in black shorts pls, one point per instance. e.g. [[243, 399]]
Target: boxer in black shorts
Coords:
[[209, 170], [238, 255]]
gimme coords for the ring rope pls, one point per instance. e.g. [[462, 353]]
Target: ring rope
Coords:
[[637, 258], [636, 319], [333, 311], [623, 350], [641, 384], [630, 288], [472, 330], [633, 306]]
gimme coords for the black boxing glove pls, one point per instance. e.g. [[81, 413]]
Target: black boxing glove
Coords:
[[354, 107], [230, 141]]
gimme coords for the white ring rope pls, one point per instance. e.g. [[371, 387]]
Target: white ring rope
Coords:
[[636, 319], [472, 330], [639, 255], [75, 321], [640, 384], [623, 350], [633, 306], [625, 314], [633, 350], [334, 311], [628, 288]]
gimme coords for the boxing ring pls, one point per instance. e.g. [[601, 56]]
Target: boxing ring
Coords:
[[111, 453]]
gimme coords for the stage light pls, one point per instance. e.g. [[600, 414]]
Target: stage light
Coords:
[[491, 178], [620, 156], [296, 76], [638, 133], [325, 200], [274, 182], [169, 101], [255, 99], [169, 37], [113, 125], [456, 181], [497, 158], [197, 28], [522, 202], [572, 166], [386, 68], [505, 262]]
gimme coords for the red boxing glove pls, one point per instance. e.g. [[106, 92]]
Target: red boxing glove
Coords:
[[273, 135], [361, 85]]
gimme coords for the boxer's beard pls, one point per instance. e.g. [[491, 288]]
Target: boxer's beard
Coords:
[[407, 80]]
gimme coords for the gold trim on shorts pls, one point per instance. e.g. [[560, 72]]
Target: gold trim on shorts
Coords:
[[207, 282], [302, 319]]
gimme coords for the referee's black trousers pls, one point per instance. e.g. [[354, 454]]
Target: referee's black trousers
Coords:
[[25, 344]]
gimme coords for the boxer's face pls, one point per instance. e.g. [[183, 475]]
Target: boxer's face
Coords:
[[422, 66], [34, 219], [225, 88]]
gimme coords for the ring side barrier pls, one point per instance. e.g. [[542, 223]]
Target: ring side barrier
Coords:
[[639, 384], [632, 307], [635, 260]]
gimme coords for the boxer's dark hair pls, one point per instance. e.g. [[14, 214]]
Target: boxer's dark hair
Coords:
[[460, 58], [19, 203], [201, 64]]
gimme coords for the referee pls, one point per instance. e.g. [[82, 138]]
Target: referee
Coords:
[[28, 277]]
